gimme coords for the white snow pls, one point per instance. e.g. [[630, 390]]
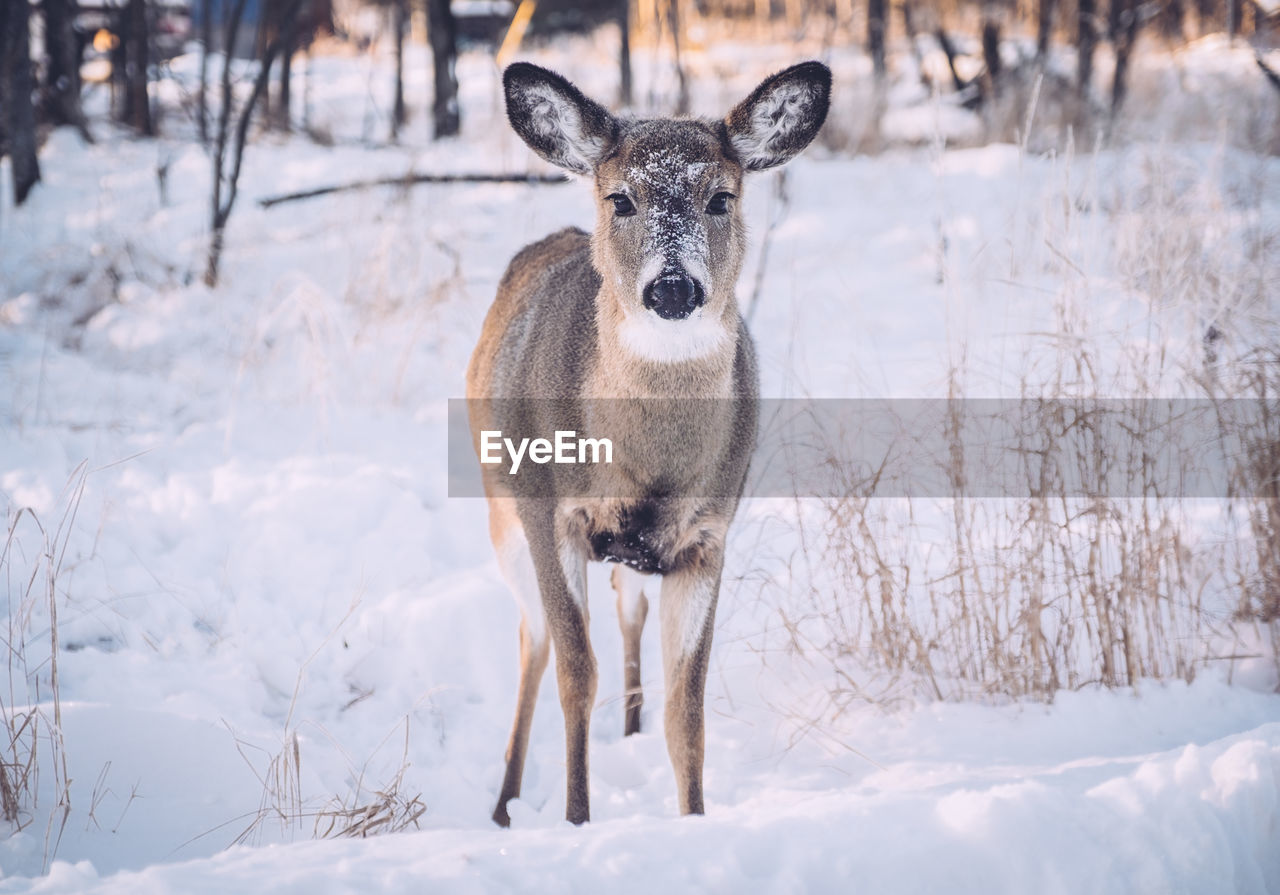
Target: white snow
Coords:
[[259, 545]]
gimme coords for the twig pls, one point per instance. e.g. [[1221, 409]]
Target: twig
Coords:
[[949, 49], [777, 211], [1272, 75]]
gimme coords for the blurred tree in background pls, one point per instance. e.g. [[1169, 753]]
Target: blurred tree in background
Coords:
[[442, 30], [61, 88], [994, 49], [18, 121]]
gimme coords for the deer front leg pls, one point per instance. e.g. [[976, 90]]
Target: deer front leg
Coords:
[[633, 609], [687, 611], [562, 576]]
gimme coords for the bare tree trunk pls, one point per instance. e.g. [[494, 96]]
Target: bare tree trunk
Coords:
[[673, 18], [306, 93], [263, 34], [991, 49], [284, 106], [218, 221], [223, 200], [1044, 29], [443, 33], [1173, 14], [794, 11], [875, 36], [16, 87], [1235, 17], [206, 42], [119, 65], [137, 53], [909, 26], [1206, 13], [624, 52], [400, 24], [1126, 34], [286, 34], [1086, 41], [62, 67]]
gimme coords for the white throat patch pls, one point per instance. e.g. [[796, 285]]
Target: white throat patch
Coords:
[[648, 336]]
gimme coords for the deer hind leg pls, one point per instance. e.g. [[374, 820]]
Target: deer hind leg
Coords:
[[633, 608], [517, 567], [687, 613]]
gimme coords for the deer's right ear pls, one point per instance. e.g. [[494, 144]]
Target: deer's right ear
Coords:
[[781, 116], [556, 120]]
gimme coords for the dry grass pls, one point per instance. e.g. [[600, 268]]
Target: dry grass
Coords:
[[1008, 598], [365, 810], [1049, 589], [1256, 492], [31, 706], [370, 812]]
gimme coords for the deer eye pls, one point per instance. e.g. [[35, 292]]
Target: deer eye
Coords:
[[622, 206], [719, 203]]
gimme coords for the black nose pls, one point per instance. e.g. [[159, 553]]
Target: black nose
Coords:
[[673, 297]]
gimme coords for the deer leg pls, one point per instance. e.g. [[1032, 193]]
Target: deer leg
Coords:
[[576, 671], [687, 613], [562, 578], [517, 568], [633, 608]]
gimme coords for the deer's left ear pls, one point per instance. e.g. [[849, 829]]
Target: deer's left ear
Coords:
[[781, 116]]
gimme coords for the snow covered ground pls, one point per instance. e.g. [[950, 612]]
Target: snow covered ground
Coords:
[[269, 614]]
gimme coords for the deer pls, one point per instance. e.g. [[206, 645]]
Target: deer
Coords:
[[643, 308]]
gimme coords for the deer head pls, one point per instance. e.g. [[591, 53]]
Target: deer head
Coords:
[[669, 236]]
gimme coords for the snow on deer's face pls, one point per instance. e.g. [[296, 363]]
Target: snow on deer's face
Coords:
[[669, 235]]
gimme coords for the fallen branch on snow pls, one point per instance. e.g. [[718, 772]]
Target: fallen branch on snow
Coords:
[[411, 180]]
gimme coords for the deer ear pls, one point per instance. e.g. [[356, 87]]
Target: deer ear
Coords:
[[781, 116], [556, 120]]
